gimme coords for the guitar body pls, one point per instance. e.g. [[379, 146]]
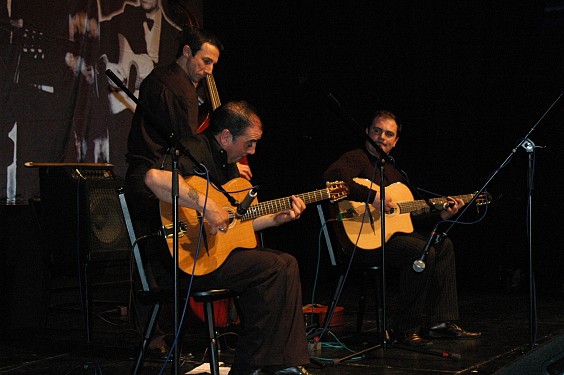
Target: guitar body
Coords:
[[358, 226], [220, 245]]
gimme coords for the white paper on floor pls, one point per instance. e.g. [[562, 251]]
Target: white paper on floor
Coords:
[[204, 368]]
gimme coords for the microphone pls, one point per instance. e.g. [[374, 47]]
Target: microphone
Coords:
[[419, 264], [245, 204]]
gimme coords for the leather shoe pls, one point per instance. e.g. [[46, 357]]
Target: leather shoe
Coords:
[[449, 330], [412, 339], [295, 370]]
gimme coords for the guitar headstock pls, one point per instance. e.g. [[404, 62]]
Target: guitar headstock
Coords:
[[483, 199], [337, 190]]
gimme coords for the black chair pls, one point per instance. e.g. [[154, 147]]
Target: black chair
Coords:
[[156, 299], [371, 275]]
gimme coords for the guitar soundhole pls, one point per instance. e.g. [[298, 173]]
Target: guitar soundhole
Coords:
[[231, 215]]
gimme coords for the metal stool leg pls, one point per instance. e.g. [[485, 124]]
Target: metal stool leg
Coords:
[[146, 338], [214, 352]]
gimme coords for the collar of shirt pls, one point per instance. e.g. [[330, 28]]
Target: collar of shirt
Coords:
[[219, 154]]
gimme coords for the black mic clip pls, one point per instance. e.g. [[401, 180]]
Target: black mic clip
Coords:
[[244, 205]]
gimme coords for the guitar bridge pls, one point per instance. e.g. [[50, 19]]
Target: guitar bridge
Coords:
[[168, 230]]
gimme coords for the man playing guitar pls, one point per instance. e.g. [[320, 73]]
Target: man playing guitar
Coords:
[[431, 294]]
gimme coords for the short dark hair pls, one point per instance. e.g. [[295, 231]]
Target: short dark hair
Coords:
[[236, 116], [194, 38], [378, 115]]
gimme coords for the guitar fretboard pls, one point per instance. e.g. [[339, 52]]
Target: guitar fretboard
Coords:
[[437, 203], [280, 204]]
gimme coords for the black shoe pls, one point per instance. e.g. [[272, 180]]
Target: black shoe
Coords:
[[449, 330], [413, 340], [294, 370]]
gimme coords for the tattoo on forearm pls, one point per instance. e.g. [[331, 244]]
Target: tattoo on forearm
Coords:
[[193, 195]]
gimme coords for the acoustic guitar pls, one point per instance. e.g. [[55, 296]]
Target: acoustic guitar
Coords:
[[215, 248], [356, 223]]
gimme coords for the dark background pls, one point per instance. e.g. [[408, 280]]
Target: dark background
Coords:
[[468, 79]]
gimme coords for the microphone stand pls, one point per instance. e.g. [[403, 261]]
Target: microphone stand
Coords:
[[174, 196], [383, 337], [529, 147], [176, 149]]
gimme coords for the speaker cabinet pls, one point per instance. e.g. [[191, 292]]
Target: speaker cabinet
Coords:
[[81, 216], [546, 359]]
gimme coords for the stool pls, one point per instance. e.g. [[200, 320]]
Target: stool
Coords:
[[366, 273]]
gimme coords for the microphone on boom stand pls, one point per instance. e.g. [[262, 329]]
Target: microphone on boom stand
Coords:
[[419, 264]]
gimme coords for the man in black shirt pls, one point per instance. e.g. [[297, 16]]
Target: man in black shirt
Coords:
[[273, 337], [169, 95], [169, 106], [428, 303]]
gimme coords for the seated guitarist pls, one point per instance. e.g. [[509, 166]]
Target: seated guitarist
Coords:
[[428, 304], [273, 337]]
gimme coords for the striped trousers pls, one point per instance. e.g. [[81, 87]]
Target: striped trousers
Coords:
[[425, 298]]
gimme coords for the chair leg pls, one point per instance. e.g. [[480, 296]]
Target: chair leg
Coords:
[[379, 306], [47, 308], [361, 302], [210, 323], [146, 338], [86, 301]]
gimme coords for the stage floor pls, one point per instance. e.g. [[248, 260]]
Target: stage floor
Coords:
[[502, 316]]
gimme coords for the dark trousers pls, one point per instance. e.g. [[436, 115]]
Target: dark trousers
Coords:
[[270, 300], [268, 282], [427, 297]]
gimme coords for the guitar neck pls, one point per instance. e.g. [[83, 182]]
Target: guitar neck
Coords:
[[437, 203], [276, 205]]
